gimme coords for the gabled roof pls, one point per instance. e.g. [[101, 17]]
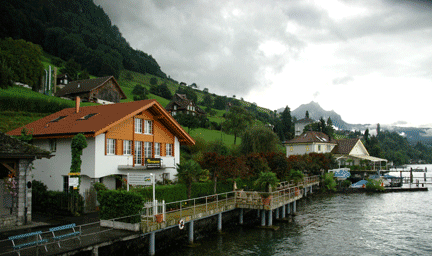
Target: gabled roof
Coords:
[[344, 147], [305, 120], [80, 86], [182, 102], [14, 148], [67, 123], [311, 137]]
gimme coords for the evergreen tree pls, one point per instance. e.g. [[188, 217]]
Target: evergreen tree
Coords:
[[287, 124]]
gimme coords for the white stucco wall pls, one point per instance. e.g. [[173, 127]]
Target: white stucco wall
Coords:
[[95, 164], [51, 171], [302, 149]]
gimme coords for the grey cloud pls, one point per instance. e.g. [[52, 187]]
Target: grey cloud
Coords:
[[210, 44], [343, 80]]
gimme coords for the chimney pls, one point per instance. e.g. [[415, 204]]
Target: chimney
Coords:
[[77, 104]]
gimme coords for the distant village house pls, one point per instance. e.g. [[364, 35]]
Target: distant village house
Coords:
[[103, 90], [181, 104]]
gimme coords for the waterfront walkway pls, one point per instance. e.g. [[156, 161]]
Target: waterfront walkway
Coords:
[[93, 235]]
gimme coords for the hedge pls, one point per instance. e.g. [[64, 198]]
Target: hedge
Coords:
[[55, 202], [120, 203]]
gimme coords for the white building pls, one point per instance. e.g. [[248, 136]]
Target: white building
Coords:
[[134, 137], [310, 142], [301, 124]]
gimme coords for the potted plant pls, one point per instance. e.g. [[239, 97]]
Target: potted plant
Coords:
[[265, 182]]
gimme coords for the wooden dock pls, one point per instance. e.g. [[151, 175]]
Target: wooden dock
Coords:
[[405, 189]]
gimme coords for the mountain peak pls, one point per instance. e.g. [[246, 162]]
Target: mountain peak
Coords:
[[316, 112]]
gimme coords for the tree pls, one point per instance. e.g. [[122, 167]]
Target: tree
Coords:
[[329, 127], [22, 61], [6, 75], [259, 139], [72, 68], [287, 125], [84, 75], [206, 90], [194, 86], [278, 164], [153, 81], [213, 162], [237, 120], [190, 121], [307, 114], [219, 103], [188, 172], [139, 92], [164, 92], [207, 100], [266, 181]]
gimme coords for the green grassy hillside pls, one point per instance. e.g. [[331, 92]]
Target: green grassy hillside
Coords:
[[10, 119]]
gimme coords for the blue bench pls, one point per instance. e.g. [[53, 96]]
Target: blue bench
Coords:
[[38, 240], [62, 236]]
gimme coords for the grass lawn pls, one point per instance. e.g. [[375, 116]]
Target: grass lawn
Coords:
[[10, 120], [212, 135]]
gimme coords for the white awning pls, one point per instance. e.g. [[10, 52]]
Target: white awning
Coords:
[[369, 158]]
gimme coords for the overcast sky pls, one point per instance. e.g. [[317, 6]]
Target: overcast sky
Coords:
[[368, 60]]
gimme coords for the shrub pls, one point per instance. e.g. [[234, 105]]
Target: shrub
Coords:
[[55, 201], [329, 184], [374, 185], [120, 203], [346, 183]]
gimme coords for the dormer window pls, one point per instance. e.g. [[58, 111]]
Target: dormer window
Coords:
[[57, 119], [175, 107], [87, 116]]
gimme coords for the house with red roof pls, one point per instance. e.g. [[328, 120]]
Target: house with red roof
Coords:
[[103, 90], [138, 137]]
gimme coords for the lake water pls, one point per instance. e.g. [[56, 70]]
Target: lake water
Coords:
[[352, 224]]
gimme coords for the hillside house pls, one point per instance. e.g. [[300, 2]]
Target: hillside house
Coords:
[[181, 104], [103, 90], [62, 80], [137, 137], [310, 142], [16, 176], [301, 124]]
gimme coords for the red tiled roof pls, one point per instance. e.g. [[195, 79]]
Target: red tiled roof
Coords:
[[106, 117], [312, 137], [345, 146]]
